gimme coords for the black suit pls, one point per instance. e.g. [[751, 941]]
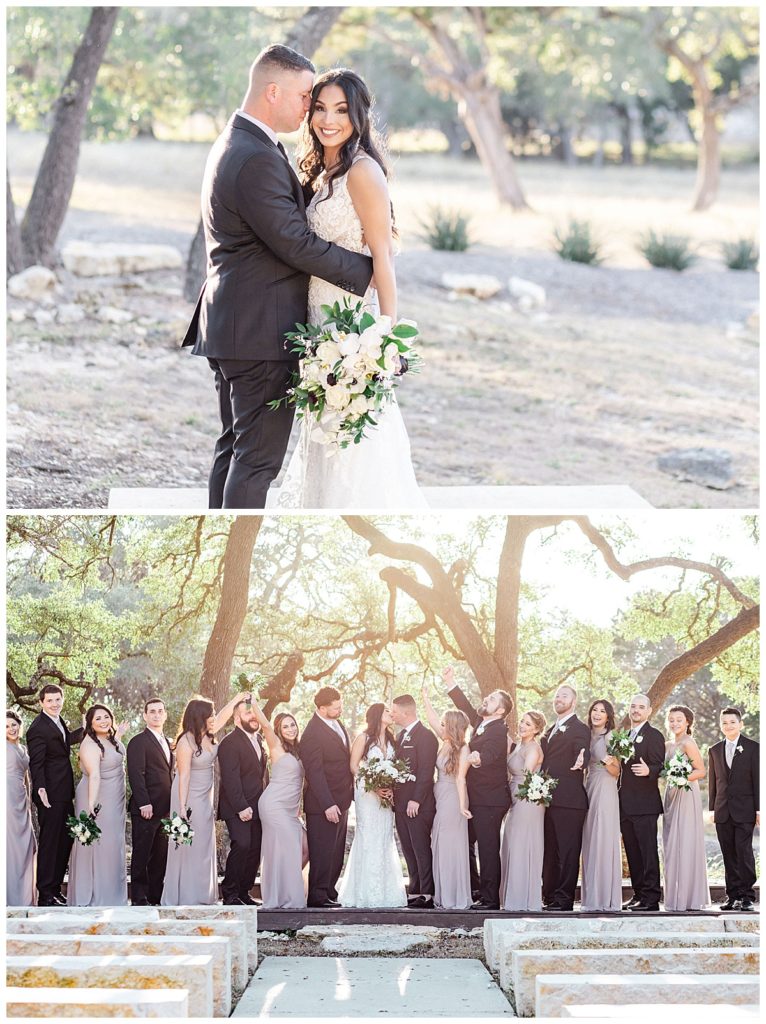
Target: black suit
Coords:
[[488, 796], [150, 775], [640, 807], [565, 817], [327, 763], [50, 769], [419, 748], [243, 776], [734, 801], [261, 254]]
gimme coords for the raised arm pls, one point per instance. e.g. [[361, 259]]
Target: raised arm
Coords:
[[433, 719], [458, 698], [368, 189], [273, 741], [225, 713]]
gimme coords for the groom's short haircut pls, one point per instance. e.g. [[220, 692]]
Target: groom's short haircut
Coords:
[[406, 701], [326, 696], [279, 58]]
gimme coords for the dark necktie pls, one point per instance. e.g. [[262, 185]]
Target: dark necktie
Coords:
[[283, 151]]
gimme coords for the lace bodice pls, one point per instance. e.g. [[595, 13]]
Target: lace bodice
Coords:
[[335, 218]]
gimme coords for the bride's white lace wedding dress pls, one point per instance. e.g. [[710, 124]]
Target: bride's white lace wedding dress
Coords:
[[377, 473], [373, 876]]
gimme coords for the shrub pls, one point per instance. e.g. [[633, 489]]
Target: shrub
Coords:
[[577, 243], [740, 255], [670, 251], [446, 229]]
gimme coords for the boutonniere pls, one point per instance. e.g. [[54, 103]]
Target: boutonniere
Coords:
[[639, 739], [563, 728], [740, 748]]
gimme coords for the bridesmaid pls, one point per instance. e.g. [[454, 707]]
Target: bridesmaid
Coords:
[[521, 856], [449, 832], [683, 832], [601, 859], [98, 873], [279, 808], [20, 846], [191, 875]]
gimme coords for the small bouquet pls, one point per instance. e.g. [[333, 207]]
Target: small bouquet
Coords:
[[383, 773], [178, 828], [350, 366], [677, 770], [83, 828], [537, 788], [620, 745]]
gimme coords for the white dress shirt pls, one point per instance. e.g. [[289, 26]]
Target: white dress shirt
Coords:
[[731, 746], [559, 723], [57, 720], [332, 723], [259, 124]]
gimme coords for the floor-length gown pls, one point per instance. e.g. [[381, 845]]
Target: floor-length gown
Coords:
[[683, 847], [601, 859], [521, 854], [20, 846], [449, 844], [377, 473], [373, 876], [191, 875], [282, 883], [98, 873]]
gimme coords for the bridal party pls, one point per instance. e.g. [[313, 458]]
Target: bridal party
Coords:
[[450, 810]]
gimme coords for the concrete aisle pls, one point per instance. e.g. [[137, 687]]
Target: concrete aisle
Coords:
[[345, 987]]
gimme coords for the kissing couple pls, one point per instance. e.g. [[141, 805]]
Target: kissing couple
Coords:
[[280, 245]]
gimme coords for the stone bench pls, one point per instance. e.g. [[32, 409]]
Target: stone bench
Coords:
[[234, 931], [624, 923], [193, 973], [664, 1011], [96, 1002], [216, 911], [546, 941], [102, 913], [555, 991], [216, 947]]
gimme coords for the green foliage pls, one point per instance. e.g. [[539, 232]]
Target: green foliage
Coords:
[[446, 230], [740, 255], [577, 243], [672, 252]]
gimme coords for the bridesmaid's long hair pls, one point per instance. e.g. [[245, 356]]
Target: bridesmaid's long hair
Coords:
[[90, 731], [608, 708], [194, 721], [456, 725], [374, 718], [289, 746]]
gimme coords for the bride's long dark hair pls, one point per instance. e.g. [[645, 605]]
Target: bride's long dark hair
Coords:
[[374, 718], [365, 136]]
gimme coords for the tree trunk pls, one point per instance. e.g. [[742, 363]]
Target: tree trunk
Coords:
[[626, 134], [55, 179], [517, 531], [483, 119], [219, 654], [305, 36], [14, 252], [708, 162]]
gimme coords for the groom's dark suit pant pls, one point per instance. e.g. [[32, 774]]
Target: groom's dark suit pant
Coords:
[[327, 848], [253, 439], [415, 837]]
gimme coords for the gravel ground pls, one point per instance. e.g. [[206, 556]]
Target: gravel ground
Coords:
[[448, 944]]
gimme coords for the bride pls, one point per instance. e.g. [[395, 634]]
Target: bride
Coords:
[[373, 876], [339, 160]]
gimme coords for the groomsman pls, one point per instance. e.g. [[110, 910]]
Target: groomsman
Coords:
[[488, 795], [566, 752], [327, 795], [414, 802], [150, 765], [243, 777], [734, 799], [641, 806], [49, 742]]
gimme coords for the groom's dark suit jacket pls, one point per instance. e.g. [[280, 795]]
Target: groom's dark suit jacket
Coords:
[[261, 251]]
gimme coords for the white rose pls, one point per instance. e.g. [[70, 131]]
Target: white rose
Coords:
[[328, 353], [349, 344], [384, 323], [337, 397], [176, 821], [391, 358], [359, 406], [313, 373], [183, 829]]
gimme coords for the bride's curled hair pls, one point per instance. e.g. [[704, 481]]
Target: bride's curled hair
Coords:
[[373, 729], [455, 727]]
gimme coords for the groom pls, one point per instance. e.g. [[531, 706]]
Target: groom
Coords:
[[260, 255]]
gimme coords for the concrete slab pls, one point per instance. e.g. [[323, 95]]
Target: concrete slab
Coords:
[[664, 1011], [514, 499], [554, 991], [95, 1002], [370, 938], [373, 987]]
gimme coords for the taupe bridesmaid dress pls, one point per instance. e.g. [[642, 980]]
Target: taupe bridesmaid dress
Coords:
[[191, 875], [601, 861], [449, 844], [521, 855], [282, 884], [683, 847], [20, 846], [98, 873]]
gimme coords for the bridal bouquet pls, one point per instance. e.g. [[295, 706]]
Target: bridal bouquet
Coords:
[[178, 828], [83, 828], [350, 366], [537, 788], [383, 773], [620, 745], [677, 770]]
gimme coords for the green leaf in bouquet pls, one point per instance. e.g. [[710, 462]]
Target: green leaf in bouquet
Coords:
[[368, 320], [405, 331]]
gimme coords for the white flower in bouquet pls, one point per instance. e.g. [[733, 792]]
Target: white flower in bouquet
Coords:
[[337, 397], [349, 345], [328, 353]]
